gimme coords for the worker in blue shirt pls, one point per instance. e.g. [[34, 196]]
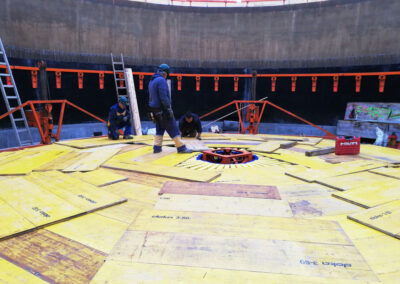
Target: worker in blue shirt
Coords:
[[190, 125], [118, 118], [161, 111]]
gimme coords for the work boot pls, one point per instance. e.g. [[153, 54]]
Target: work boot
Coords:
[[184, 150], [128, 137], [157, 149]]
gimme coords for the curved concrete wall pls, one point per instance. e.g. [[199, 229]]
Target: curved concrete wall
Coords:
[[332, 33]]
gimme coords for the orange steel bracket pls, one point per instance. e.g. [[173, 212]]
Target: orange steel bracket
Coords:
[[179, 82], [358, 83], [8, 79], [58, 79], [294, 78], [335, 83], [34, 78], [197, 83], [216, 79], [273, 83], [46, 136], [236, 83], [382, 79], [121, 82], [141, 77], [101, 81], [80, 80], [314, 83]]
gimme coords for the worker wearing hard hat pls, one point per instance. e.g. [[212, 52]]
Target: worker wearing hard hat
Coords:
[[119, 118], [161, 111], [190, 125]]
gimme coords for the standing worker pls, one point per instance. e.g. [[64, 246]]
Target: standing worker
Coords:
[[190, 125], [161, 111], [118, 118]]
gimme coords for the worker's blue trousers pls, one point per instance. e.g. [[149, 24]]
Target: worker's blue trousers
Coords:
[[169, 125]]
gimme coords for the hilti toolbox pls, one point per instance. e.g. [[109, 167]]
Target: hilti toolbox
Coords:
[[347, 146]]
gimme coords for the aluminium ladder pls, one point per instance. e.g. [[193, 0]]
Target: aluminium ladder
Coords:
[[119, 68], [12, 100]]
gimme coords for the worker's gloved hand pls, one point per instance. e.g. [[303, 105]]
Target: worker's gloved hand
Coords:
[[125, 119], [170, 113], [198, 138]]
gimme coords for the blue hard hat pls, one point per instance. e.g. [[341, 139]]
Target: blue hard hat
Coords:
[[123, 100], [164, 67]]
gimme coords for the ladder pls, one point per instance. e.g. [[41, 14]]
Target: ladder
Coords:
[[118, 68], [12, 100]]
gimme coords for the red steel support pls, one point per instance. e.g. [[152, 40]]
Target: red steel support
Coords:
[[80, 80], [37, 120], [314, 83], [34, 78], [216, 79], [101, 81], [236, 83], [294, 78], [60, 120], [382, 79], [58, 79], [273, 84], [179, 78], [335, 83], [197, 83], [358, 83], [141, 77], [8, 79]]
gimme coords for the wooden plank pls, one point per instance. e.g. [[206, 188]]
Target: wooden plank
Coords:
[[321, 151], [384, 154], [133, 105], [218, 189], [52, 258], [241, 226], [10, 273], [63, 161], [389, 172], [373, 194], [94, 142], [225, 205], [136, 192], [297, 158], [100, 177], [92, 230], [128, 273], [164, 171], [29, 161], [266, 147], [73, 191], [93, 161], [270, 256], [384, 218], [351, 181]]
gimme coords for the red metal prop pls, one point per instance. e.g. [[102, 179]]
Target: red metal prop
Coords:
[[314, 84], [101, 81], [382, 79], [179, 82], [273, 84], [58, 79], [294, 78], [197, 83], [236, 83], [227, 156], [358, 83], [80, 80], [141, 77], [34, 78], [216, 79], [335, 83]]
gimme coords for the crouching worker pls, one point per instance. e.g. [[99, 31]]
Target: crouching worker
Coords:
[[161, 111], [118, 118], [190, 125]]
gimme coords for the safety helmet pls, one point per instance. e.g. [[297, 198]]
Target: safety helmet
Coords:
[[123, 100], [165, 68]]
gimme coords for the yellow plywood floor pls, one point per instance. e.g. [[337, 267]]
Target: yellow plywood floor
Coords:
[[319, 231]]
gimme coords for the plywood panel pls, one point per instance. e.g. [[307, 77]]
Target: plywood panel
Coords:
[[223, 204], [319, 206], [266, 147], [30, 160], [244, 226], [273, 256], [390, 172], [11, 222], [174, 159], [218, 189], [164, 171], [10, 273], [372, 195], [92, 230], [137, 192], [93, 161], [63, 161], [93, 142], [297, 158], [51, 257], [100, 177], [73, 191], [128, 273], [384, 218]]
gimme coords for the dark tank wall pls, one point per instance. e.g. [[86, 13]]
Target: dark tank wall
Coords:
[[329, 33]]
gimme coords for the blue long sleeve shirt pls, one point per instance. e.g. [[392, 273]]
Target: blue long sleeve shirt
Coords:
[[116, 115], [189, 126], [159, 94]]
